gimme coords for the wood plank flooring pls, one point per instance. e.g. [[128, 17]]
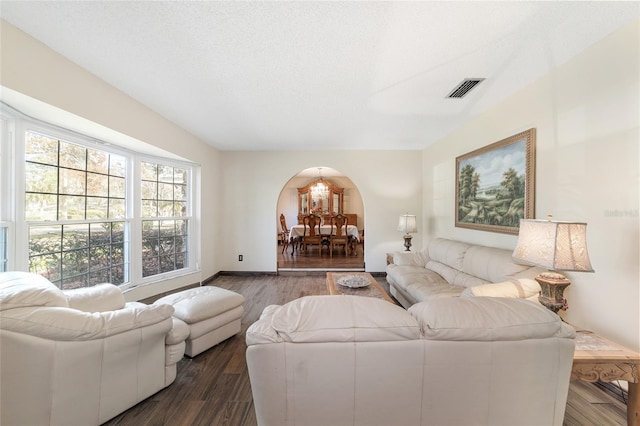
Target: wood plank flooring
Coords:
[[214, 389], [320, 259]]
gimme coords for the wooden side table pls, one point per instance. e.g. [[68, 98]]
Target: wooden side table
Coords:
[[598, 359]]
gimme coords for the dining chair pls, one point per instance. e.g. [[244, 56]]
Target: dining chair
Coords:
[[339, 235], [285, 234], [312, 233]]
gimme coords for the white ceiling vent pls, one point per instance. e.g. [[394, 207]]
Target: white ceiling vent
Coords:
[[465, 87]]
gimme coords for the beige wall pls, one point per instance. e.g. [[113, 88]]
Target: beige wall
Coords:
[[32, 69], [389, 183], [586, 114]]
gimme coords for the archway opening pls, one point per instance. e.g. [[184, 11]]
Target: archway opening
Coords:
[[297, 199]]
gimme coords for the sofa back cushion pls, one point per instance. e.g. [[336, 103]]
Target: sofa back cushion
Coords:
[[23, 289], [448, 252], [491, 264], [343, 319], [523, 288], [67, 324], [487, 319], [99, 298]]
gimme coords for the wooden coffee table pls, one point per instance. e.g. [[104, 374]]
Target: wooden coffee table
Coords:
[[372, 290]]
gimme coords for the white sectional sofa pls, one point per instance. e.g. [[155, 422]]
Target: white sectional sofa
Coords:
[[80, 357], [350, 360], [448, 268]]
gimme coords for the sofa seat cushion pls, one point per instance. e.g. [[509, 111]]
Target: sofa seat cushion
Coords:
[[343, 319], [487, 319], [23, 289], [421, 283], [421, 292]]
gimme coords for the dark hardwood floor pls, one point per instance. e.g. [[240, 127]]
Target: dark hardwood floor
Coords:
[[214, 389], [315, 258]]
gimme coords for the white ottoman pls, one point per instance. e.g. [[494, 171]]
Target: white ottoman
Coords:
[[213, 314]]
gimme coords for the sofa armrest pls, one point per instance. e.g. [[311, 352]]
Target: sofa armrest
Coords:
[[410, 258], [99, 298]]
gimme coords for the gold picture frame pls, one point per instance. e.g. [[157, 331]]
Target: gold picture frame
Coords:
[[495, 185]]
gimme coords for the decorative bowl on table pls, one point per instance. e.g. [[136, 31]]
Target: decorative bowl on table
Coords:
[[353, 281]]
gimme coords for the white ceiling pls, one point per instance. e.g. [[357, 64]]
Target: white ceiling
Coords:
[[317, 75]]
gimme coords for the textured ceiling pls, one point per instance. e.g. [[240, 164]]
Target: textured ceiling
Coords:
[[317, 75]]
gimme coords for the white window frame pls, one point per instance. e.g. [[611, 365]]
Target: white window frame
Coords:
[[12, 187]]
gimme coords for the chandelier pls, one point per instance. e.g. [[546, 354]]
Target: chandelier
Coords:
[[320, 189]]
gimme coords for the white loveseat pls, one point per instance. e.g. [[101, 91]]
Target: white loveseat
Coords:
[[350, 360], [80, 357], [448, 268]]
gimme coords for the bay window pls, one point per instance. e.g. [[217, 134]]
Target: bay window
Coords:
[[87, 212]]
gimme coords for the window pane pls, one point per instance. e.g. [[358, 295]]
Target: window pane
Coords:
[[181, 227], [149, 190], [45, 239], [97, 185], [99, 233], [149, 171], [180, 176], [75, 237], [165, 191], [117, 165], [72, 182], [71, 208], [117, 232], [149, 208], [73, 156], [41, 149], [179, 192], [117, 253], [99, 276], [165, 208], [118, 274], [165, 173], [97, 208], [75, 263], [181, 260], [41, 178], [180, 208], [99, 257], [40, 207], [116, 209], [97, 161], [167, 263], [46, 265], [150, 266], [116, 187]]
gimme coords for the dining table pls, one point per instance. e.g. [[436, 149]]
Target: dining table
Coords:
[[297, 231]]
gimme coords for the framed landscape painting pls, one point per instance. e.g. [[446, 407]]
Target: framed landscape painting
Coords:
[[495, 185]]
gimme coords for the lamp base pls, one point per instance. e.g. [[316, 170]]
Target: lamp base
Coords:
[[552, 287], [407, 242]]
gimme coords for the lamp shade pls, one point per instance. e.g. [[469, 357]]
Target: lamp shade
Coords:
[[559, 246], [407, 224]]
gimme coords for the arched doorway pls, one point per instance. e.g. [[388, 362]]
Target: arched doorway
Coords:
[[289, 204]]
